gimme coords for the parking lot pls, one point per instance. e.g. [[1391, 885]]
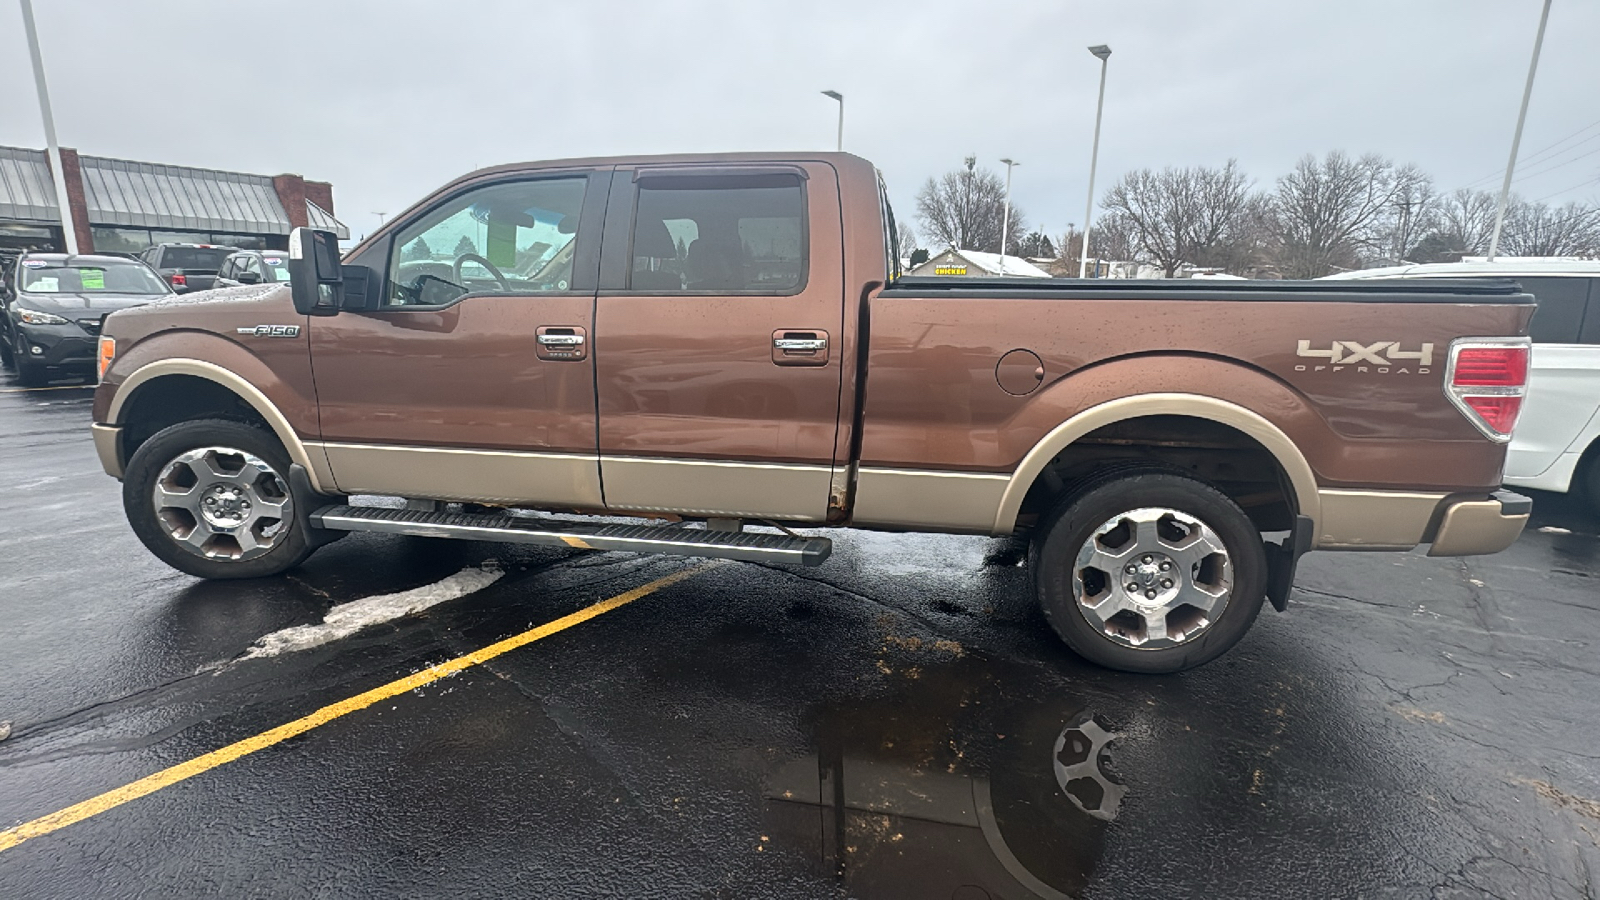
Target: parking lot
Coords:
[[897, 723]]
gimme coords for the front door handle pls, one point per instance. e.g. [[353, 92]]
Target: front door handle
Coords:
[[560, 343], [797, 347]]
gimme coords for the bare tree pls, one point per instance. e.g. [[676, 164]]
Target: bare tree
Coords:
[[1114, 238], [907, 238], [1465, 225], [1180, 215], [1414, 213], [966, 209], [1538, 229], [1328, 213]]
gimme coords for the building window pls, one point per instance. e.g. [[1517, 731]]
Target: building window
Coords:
[[119, 240]]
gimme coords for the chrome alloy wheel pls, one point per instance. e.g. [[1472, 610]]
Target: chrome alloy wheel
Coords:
[[1152, 578], [222, 503]]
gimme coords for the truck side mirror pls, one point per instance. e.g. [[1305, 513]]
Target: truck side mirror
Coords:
[[248, 278], [315, 279]]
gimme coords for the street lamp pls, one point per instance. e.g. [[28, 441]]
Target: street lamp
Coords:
[[1522, 114], [1005, 220], [839, 97], [1103, 53], [69, 233]]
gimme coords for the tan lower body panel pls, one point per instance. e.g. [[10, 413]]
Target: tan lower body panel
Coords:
[[479, 476], [1374, 520], [105, 447], [708, 488], [940, 501], [1475, 527]]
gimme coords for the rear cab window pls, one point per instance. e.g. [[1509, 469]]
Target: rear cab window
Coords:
[[1568, 311], [199, 259]]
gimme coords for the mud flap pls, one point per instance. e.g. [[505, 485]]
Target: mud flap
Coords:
[[307, 501], [1282, 559]]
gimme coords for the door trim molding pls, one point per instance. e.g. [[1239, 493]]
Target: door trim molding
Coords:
[[475, 476]]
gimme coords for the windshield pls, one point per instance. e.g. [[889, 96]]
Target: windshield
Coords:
[[100, 278], [277, 268], [200, 259]]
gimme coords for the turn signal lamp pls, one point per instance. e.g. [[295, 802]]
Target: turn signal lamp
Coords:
[[1487, 380], [108, 352]]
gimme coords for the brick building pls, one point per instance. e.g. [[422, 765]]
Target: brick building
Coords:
[[121, 206]]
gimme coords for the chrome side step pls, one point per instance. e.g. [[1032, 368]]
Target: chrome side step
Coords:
[[744, 545]]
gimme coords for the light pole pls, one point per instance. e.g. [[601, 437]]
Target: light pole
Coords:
[[1516, 139], [839, 97], [1104, 53], [68, 232], [1005, 220]]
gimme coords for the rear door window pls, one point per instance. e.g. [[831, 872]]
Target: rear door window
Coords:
[[1559, 317], [723, 234]]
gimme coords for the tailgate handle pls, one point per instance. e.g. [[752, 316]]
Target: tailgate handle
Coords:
[[800, 343]]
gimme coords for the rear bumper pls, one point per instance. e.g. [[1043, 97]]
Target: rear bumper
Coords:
[[1475, 527]]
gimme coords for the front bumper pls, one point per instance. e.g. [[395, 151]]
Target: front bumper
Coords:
[[108, 446], [1475, 527], [54, 345]]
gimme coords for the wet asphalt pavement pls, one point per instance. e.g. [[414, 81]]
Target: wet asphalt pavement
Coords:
[[897, 723]]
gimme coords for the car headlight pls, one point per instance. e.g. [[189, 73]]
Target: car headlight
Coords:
[[35, 317]]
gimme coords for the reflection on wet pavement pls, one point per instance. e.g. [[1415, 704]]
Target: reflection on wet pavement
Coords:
[[949, 786]]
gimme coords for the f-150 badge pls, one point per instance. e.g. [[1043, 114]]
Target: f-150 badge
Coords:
[[283, 331], [1383, 357]]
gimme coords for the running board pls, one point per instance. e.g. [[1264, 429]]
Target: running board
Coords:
[[749, 546]]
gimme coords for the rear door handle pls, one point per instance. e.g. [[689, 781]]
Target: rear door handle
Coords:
[[800, 343], [799, 347]]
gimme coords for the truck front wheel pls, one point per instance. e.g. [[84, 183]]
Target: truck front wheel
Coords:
[[1149, 570], [211, 498]]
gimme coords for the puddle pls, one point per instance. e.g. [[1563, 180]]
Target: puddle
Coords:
[[947, 787]]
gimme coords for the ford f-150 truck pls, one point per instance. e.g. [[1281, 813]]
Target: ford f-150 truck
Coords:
[[671, 354]]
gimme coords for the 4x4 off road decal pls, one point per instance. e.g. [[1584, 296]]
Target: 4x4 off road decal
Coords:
[[1381, 357], [283, 331]]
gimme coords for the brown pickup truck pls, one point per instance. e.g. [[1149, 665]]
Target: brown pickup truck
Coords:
[[697, 354]]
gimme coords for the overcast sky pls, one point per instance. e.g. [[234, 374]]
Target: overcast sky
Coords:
[[389, 100]]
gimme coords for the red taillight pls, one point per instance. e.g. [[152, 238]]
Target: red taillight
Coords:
[[1487, 380], [177, 280], [1492, 366], [1499, 413]]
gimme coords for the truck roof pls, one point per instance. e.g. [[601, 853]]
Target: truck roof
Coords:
[[1478, 266]]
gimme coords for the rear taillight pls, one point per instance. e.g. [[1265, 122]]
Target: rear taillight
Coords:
[[177, 280], [1486, 379]]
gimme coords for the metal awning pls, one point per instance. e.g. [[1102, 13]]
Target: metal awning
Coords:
[[179, 198], [26, 191], [322, 220]]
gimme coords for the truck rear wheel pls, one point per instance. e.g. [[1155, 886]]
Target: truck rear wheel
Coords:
[[1149, 570], [211, 498]]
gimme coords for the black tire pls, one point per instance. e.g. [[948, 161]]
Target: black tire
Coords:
[[1096, 502], [1586, 483], [8, 358], [289, 547]]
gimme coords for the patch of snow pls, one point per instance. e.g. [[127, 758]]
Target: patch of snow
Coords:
[[1551, 529], [346, 619]]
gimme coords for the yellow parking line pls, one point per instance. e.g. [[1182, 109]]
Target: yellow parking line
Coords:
[[59, 387], [149, 784]]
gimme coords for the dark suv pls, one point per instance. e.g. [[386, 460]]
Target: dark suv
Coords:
[[254, 267], [187, 267], [54, 304]]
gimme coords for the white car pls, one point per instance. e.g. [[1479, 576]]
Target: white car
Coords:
[[1556, 445]]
